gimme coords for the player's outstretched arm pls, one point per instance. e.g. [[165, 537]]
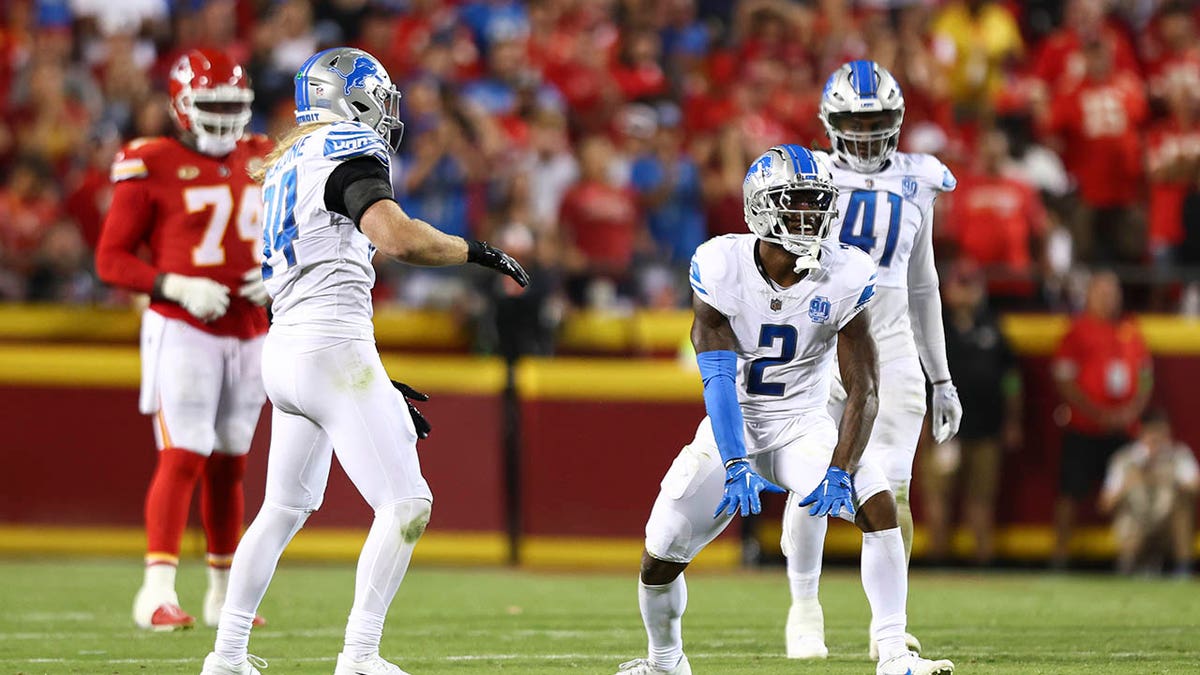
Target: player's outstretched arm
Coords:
[[414, 241], [715, 344]]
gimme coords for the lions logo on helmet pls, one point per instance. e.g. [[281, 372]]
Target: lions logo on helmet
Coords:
[[862, 109], [790, 199], [366, 92]]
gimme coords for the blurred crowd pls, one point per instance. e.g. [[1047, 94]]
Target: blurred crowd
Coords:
[[603, 140]]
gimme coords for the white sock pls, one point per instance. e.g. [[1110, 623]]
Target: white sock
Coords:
[[662, 613], [218, 580], [381, 567], [885, 580], [253, 566], [364, 631], [803, 543], [160, 577]]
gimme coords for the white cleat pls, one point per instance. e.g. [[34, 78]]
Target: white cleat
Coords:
[[644, 667], [214, 664], [911, 664], [375, 665], [910, 641], [805, 631]]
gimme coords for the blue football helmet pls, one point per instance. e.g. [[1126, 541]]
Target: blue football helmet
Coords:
[[862, 109], [344, 83], [789, 199]]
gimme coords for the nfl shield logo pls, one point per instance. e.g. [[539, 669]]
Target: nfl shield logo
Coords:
[[909, 187], [818, 309], [776, 304]]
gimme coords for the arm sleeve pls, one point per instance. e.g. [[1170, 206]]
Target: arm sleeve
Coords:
[[718, 370], [925, 304], [128, 223], [355, 185]]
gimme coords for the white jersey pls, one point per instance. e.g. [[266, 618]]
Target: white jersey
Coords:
[[787, 337], [889, 215], [316, 263]]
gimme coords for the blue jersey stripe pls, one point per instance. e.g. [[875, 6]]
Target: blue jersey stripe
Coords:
[[862, 76]]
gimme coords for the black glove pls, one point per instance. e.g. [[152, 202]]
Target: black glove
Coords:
[[419, 421], [482, 253]]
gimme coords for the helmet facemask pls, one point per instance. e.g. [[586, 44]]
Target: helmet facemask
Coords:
[[797, 216], [864, 141], [217, 117]]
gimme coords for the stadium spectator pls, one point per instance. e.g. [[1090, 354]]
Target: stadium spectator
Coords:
[[1173, 168], [1174, 61], [1061, 62], [668, 185], [989, 385], [28, 207], [601, 227], [62, 270], [999, 222], [1150, 490], [1098, 120], [550, 166], [976, 39], [1103, 372]]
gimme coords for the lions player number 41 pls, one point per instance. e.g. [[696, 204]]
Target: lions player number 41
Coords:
[[864, 201]]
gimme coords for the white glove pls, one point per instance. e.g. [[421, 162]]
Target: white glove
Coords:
[[203, 298], [253, 288], [947, 411]]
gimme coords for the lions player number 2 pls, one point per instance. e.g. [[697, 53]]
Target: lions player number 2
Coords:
[[279, 227], [864, 201], [767, 336]]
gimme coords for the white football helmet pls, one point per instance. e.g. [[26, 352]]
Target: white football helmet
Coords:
[[790, 199], [862, 108], [344, 83]]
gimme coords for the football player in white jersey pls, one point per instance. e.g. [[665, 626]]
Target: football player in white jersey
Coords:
[[771, 308], [885, 204], [328, 209]]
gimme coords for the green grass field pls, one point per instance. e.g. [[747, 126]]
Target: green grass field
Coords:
[[72, 617]]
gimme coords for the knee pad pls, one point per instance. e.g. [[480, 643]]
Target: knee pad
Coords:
[[410, 516]]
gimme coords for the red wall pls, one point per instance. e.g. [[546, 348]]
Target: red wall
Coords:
[[84, 456]]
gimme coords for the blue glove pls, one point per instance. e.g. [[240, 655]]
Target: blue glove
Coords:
[[832, 495], [742, 486]]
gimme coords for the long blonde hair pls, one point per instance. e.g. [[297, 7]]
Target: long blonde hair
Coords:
[[281, 147]]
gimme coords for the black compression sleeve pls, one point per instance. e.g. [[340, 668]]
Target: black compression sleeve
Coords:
[[355, 185]]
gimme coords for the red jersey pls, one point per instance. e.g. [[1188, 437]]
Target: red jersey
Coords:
[[1180, 70], [1104, 359], [994, 218], [1167, 143], [603, 220], [198, 215], [1059, 62], [1098, 122]]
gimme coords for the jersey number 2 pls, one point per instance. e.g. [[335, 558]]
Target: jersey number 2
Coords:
[[219, 200], [767, 336], [864, 201]]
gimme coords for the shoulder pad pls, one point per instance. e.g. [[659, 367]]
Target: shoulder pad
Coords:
[[711, 264], [258, 143], [130, 162], [930, 171], [347, 140]]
